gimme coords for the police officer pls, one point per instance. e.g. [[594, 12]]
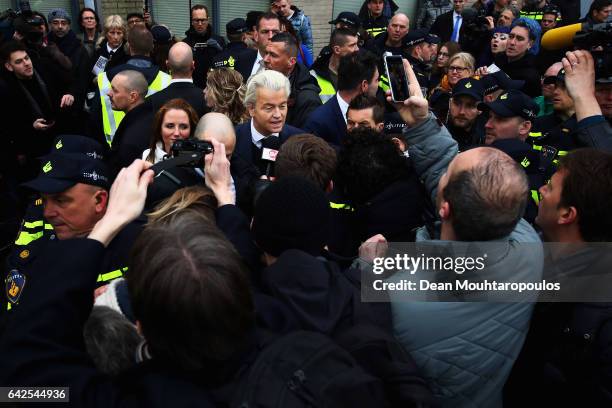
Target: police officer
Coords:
[[534, 9], [465, 123], [552, 135], [236, 54], [343, 42], [420, 52], [510, 119], [73, 188], [373, 17]]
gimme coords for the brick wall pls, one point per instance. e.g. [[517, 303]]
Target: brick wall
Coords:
[[320, 13], [121, 7]]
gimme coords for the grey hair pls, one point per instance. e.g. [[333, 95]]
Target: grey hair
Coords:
[[272, 80], [135, 82]]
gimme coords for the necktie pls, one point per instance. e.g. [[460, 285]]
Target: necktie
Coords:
[[261, 67], [110, 55], [455, 35]]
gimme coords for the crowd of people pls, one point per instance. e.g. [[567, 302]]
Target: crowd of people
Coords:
[[194, 218]]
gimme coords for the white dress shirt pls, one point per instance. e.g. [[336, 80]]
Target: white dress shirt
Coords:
[[257, 137], [343, 106], [257, 64]]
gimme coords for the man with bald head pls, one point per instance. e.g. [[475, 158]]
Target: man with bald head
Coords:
[[181, 66], [466, 349], [391, 40], [127, 94], [217, 126]]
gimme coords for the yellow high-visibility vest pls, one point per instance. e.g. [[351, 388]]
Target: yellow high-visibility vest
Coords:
[[327, 88]]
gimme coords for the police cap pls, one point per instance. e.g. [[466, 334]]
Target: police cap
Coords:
[[61, 171], [414, 37], [512, 103], [500, 80], [77, 144], [237, 26], [349, 19], [470, 87]]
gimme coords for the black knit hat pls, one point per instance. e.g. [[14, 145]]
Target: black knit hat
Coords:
[[293, 213]]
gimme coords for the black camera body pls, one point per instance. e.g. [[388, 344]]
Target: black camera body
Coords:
[[194, 148], [598, 40]]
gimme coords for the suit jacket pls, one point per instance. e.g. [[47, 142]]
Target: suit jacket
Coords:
[[133, 136], [184, 90], [244, 142], [443, 26], [327, 122]]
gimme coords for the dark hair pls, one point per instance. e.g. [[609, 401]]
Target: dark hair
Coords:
[[111, 340], [598, 5], [368, 163], [252, 17], [134, 14], [98, 28], [364, 101], [266, 16], [291, 46], [190, 292], [198, 7], [10, 47], [487, 200], [453, 48], [179, 104], [587, 186], [306, 156], [355, 68], [159, 55], [520, 23], [339, 36], [140, 40]]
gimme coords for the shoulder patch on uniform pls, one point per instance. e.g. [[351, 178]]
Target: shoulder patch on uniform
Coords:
[[15, 282], [38, 201], [24, 254]]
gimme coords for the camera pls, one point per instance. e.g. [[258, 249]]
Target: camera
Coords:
[[196, 149], [598, 40]]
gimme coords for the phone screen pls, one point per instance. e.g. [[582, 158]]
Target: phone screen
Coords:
[[398, 80]]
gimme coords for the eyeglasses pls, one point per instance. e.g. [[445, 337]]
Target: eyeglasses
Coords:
[[199, 20], [454, 68]]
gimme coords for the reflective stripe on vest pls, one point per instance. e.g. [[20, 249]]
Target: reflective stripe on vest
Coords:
[[535, 196], [112, 118], [374, 31], [108, 276], [8, 306], [26, 238], [383, 83], [327, 88], [535, 134], [339, 206]]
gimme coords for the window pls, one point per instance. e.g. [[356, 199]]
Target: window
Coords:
[[45, 6]]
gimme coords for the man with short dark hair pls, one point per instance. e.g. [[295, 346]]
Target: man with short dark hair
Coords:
[[357, 74], [343, 41], [267, 26], [236, 54], [309, 157], [599, 12], [365, 111], [204, 44], [281, 56]]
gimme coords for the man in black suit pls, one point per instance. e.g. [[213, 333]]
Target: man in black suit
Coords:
[[181, 66], [128, 90], [357, 74], [236, 54], [266, 99], [448, 25]]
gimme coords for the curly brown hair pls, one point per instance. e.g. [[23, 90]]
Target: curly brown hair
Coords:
[[225, 92]]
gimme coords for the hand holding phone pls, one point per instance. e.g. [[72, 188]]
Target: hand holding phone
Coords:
[[398, 80]]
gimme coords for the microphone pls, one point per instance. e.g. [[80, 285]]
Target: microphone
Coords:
[[270, 146], [562, 37]]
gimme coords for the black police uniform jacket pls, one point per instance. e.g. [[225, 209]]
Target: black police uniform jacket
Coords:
[[45, 340], [203, 54], [304, 96], [555, 132], [238, 56]]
